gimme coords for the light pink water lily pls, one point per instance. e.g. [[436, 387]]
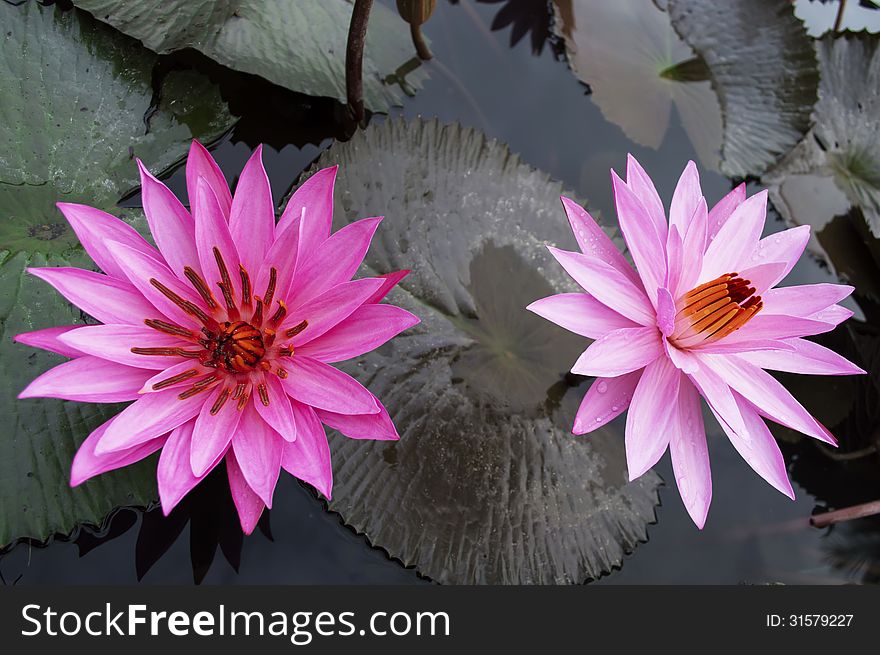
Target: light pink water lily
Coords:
[[701, 316], [224, 335]]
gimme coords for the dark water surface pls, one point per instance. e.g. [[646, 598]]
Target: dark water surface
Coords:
[[534, 103]]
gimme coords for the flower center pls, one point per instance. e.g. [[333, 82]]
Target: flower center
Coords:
[[238, 347], [714, 310]]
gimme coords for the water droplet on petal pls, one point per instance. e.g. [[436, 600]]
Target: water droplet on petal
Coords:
[[602, 387]]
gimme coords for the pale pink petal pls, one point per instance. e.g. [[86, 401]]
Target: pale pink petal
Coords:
[[690, 454], [607, 285], [96, 229], [252, 216], [114, 343], [777, 326], [278, 413], [88, 380], [805, 357], [320, 385], [619, 352], [650, 411], [580, 313], [200, 163], [49, 339], [724, 208], [803, 300], [174, 473], [329, 309], [642, 186], [315, 195], [834, 315], [377, 427], [105, 298], [308, 458], [685, 198], [767, 394], [759, 449], [762, 276], [741, 346], [606, 399], [144, 272], [170, 224], [213, 432], [674, 261], [333, 262], [187, 366], [151, 416], [212, 233], [248, 504], [390, 280], [718, 395], [786, 247], [87, 464], [645, 246], [737, 238], [693, 248], [665, 311], [367, 328], [257, 449], [595, 243]]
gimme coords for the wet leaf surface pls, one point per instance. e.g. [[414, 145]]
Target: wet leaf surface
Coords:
[[487, 484], [298, 45], [75, 97]]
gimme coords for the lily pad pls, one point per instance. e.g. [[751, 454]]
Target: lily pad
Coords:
[[708, 60], [75, 95], [835, 170], [298, 45], [487, 484]]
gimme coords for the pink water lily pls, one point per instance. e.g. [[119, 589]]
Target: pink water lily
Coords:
[[223, 335], [701, 316]]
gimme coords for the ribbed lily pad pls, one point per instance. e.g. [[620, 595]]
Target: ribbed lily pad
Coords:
[[299, 45], [74, 97], [831, 179], [487, 484], [709, 61]]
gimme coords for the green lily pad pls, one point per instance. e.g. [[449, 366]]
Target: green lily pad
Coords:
[[487, 484], [75, 94], [833, 174], [298, 45]]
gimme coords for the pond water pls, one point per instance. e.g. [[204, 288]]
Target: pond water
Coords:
[[525, 95]]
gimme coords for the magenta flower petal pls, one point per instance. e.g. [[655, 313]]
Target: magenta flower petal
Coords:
[[105, 298], [737, 239], [607, 284], [580, 313], [276, 410], [252, 216], [283, 257], [320, 385], [334, 261], [685, 198], [149, 417], [643, 187], [49, 339], [389, 280], [313, 201], [308, 458], [174, 473], [200, 163], [257, 449], [171, 225], [218, 255], [650, 412], [724, 208], [331, 308], [595, 243], [362, 426], [87, 463], [690, 454], [213, 430], [176, 376], [248, 504], [96, 230], [367, 328], [645, 246], [114, 343], [88, 380], [619, 352], [606, 399]]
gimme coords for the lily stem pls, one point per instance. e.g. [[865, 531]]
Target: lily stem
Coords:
[[845, 514], [418, 40], [354, 58], [839, 19]]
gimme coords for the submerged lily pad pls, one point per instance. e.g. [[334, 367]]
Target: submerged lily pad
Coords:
[[75, 94], [298, 45], [708, 61], [487, 484], [833, 174]]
